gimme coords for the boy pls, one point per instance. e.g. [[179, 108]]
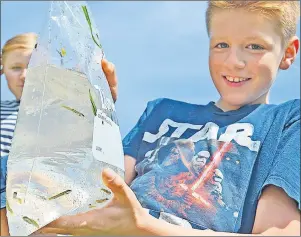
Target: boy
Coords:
[[251, 182]]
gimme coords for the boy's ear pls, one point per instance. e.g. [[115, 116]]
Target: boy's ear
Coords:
[[290, 53]]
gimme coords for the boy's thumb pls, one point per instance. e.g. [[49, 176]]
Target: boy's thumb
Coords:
[[114, 182]]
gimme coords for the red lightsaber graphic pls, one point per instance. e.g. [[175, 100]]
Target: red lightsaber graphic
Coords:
[[207, 173]]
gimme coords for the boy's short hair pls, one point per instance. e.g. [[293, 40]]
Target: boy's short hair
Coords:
[[287, 13], [24, 41]]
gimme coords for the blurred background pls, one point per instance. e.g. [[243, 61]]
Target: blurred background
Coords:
[[160, 49]]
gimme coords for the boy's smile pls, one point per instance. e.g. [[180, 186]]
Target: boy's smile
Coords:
[[236, 81], [246, 50]]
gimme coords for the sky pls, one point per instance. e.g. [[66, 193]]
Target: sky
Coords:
[[159, 48]]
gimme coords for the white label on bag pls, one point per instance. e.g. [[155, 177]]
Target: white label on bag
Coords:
[[107, 145]]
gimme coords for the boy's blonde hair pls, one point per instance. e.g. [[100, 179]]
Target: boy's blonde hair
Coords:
[[24, 41], [287, 13]]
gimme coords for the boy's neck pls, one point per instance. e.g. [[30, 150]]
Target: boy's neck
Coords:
[[264, 99], [224, 107]]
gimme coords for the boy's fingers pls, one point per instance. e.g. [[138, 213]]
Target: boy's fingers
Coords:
[[109, 70], [110, 73], [41, 233], [113, 181], [118, 186], [114, 93], [52, 231], [67, 223], [78, 224]]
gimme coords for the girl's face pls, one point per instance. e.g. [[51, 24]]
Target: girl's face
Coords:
[[14, 67]]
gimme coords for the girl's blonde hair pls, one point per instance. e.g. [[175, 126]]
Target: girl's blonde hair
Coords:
[[286, 13], [24, 41]]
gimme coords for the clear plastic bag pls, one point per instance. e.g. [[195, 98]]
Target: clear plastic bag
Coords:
[[67, 130]]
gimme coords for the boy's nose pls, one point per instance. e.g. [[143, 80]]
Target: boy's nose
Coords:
[[235, 59]]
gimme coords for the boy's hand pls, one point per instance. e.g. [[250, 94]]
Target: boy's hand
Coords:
[[121, 216], [110, 73]]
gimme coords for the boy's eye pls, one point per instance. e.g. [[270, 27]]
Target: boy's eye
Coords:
[[255, 47], [222, 45]]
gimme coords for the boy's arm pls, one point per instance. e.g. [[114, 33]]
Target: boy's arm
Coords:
[[4, 224], [275, 209], [130, 173]]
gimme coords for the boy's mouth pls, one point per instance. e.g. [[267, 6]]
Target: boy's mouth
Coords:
[[236, 81]]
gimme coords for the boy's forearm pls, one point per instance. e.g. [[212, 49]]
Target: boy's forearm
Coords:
[[155, 227]]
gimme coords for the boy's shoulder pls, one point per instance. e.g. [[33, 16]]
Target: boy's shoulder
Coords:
[[281, 115], [290, 109], [293, 104], [293, 110]]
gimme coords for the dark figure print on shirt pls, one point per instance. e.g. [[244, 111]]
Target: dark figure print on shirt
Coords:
[[192, 180]]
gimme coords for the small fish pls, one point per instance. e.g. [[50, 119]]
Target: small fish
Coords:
[[105, 190], [9, 208], [73, 110], [102, 200], [31, 221], [60, 194], [91, 206], [94, 109]]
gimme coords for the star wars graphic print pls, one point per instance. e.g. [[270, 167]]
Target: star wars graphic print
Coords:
[[202, 178]]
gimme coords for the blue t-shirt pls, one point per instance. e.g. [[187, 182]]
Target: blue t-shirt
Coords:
[[200, 167]]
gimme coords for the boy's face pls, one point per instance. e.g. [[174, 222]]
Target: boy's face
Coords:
[[15, 67], [245, 54]]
